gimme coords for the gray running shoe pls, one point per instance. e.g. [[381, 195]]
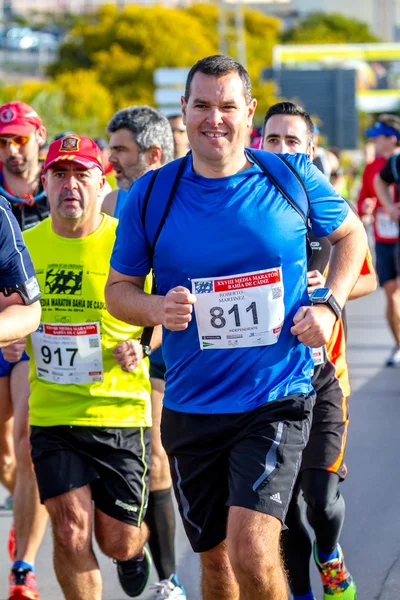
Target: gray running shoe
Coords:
[[394, 358]]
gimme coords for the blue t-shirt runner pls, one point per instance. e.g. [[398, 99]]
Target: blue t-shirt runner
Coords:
[[16, 268], [120, 203], [228, 231]]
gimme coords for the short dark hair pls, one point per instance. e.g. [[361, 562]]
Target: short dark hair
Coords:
[[392, 121], [149, 127], [288, 108], [219, 65]]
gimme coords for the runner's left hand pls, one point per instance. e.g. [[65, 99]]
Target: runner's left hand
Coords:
[[313, 325], [128, 354]]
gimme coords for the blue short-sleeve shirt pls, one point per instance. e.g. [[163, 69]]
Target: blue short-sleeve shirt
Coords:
[[221, 227]]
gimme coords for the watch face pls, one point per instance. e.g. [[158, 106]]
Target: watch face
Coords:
[[320, 294]]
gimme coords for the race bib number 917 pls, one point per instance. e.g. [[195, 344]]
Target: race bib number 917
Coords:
[[239, 311], [68, 353]]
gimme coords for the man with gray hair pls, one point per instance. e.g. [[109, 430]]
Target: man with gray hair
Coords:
[[140, 140]]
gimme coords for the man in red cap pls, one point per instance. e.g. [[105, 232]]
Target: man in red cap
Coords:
[[21, 135], [90, 412]]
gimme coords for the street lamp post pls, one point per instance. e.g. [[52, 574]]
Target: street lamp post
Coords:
[[239, 29], [222, 29], [7, 10], [240, 34]]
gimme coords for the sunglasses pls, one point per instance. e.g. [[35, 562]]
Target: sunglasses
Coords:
[[15, 140], [178, 130]]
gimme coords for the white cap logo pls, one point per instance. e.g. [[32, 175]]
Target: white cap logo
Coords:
[[7, 115]]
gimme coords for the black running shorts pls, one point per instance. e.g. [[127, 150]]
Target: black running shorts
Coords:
[[327, 443], [386, 267], [248, 459], [114, 462]]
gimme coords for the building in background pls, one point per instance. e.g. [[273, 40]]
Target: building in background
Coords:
[[383, 16], [336, 81], [275, 7], [24, 7]]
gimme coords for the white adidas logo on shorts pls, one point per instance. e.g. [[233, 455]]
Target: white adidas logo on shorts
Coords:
[[276, 498]]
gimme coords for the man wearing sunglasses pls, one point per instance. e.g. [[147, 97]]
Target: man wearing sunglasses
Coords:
[[21, 135]]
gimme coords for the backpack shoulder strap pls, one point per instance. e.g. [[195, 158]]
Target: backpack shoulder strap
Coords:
[[158, 200], [286, 179]]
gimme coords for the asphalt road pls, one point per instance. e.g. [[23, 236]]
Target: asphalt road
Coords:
[[371, 537]]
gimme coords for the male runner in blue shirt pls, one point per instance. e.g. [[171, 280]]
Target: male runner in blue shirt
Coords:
[[232, 253]]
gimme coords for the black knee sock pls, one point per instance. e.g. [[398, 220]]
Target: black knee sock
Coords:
[[325, 507], [160, 519], [296, 546]]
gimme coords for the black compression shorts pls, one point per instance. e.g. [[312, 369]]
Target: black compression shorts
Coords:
[[326, 447]]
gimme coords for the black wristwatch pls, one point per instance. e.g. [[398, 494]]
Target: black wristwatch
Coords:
[[325, 296], [147, 350]]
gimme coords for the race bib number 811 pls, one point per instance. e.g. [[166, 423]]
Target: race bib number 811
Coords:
[[68, 353], [239, 311]]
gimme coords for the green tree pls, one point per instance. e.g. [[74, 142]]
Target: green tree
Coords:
[[329, 28], [261, 34], [79, 103], [124, 47]]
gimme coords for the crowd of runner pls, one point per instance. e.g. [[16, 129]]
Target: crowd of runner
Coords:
[[192, 338]]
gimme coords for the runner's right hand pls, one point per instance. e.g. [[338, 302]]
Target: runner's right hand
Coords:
[[13, 352], [178, 308], [368, 206], [394, 212]]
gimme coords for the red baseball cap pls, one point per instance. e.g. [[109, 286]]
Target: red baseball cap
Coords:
[[74, 148], [18, 118]]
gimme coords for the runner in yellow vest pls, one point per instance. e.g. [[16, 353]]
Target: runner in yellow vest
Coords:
[[90, 410]]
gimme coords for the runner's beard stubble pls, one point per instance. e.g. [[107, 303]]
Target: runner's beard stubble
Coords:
[[17, 169], [68, 210]]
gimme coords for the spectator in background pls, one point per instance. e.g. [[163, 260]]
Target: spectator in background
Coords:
[[181, 142], [386, 136], [141, 141], [107, 167], [105, 154], [325, 160], [43, 151]]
